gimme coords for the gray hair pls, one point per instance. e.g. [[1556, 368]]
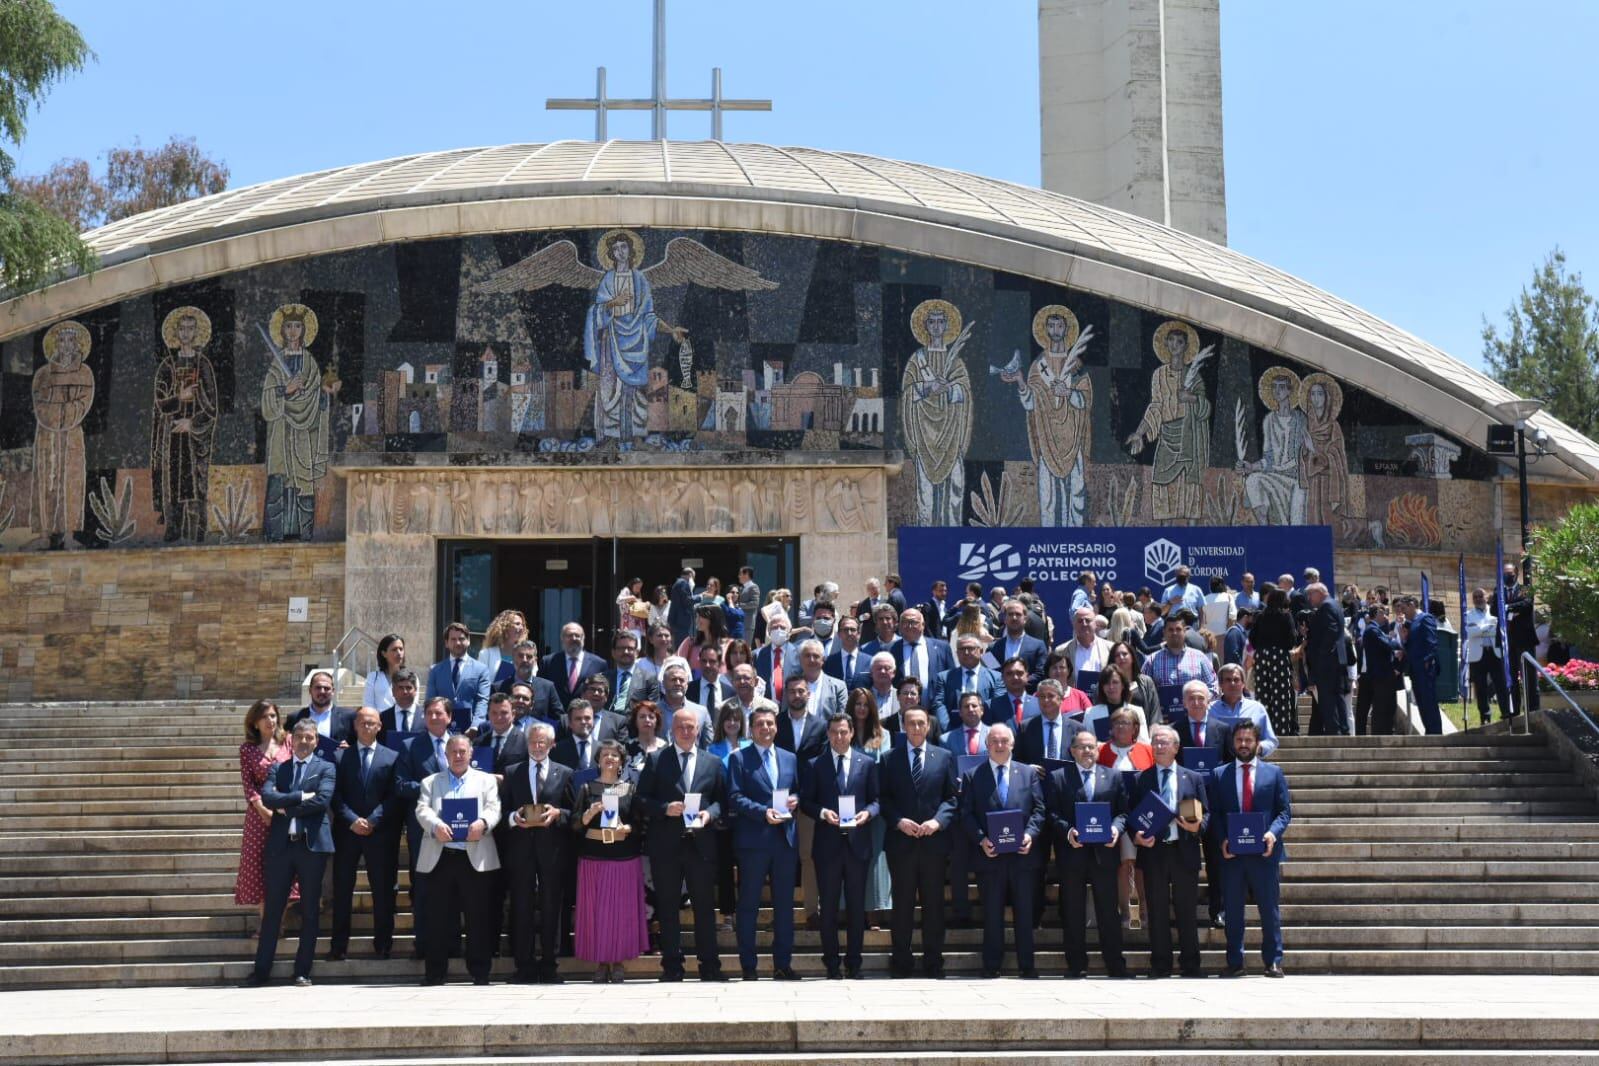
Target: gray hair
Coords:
[[525, 645], [676, 662], [1165, 731], [1192, 684], [968, 638], [807, 645], [304, 725], [882, 655], [541, 727], [1315, 586], [1001, 726], [1053, 686]]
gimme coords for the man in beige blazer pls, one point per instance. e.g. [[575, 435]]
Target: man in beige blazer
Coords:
[[458, 872]]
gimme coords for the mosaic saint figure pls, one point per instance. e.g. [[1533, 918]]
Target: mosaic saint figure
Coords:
[[1272, 489], [183, 424], [63, 392], [621, 322], [295, 398], [1324, 464], [935, 410], [1177, 422], [1059, 399]]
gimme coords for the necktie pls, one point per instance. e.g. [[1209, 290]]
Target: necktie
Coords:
[[1199, 733], [623, 680], [571, 677], [366, 763], [1018, 710], [916, 766], [1170, 798], [913, 664], [499, 742], [438, 748], [684, 774], [583, 754], [967, 685], [1050, 751], [1000, 779], [294, 786], [777, 673], [405, 721], [1249, 787], [849, 666], [1088, 785], [771, 767], [538, 781], [843, 778], [971, 740]]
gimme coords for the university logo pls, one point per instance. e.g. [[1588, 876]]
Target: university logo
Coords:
[[1161, 560], [1001, 562]]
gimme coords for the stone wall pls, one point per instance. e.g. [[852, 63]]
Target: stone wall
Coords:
[[166, 623]]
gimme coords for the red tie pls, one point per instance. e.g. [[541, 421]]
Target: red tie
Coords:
[[971, 741], [1018, 710], [1200, 729], [1249, 787], [571, 678], [777, 673]]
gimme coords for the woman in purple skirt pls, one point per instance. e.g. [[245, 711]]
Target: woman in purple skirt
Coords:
[[611, 926]]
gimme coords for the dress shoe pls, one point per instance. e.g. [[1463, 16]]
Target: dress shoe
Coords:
[[429, 982], [1233, 971], [835, 974], [713, 976], [255, 980], [751, 975], [673, 976], [1075, 975], [551, 977], [900, 973], [1029, 975], [990, 974], [1122, 974], [335, 956], [302, 982], [1156, 975], [523, 977], [1274, 970], [617, 975], [935, 972], [1218, 922], [1194, 973], [785, 974], [852, 972], [384, 954], [480, 980]]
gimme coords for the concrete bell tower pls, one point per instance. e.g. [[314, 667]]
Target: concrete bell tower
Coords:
[[1130, 100]]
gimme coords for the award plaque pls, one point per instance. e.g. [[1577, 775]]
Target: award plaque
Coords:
[[1190, 809]]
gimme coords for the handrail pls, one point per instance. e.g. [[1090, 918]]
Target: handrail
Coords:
[[1526, 701], [341, 653]]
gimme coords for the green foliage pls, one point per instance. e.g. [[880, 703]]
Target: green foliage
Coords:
[[1567, 573], [37, 47], [1550, 347], [136, 180]]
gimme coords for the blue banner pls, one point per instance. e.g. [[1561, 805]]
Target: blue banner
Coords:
[[1127, 556]]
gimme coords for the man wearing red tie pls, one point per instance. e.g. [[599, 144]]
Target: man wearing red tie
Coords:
[[1012, 707], [1248, 784]]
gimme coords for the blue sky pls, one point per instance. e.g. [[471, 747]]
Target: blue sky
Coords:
[[1416, 158]]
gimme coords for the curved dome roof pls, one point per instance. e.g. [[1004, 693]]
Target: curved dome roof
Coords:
[[809, 176]]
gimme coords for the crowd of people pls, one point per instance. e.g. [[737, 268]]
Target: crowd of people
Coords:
[[864, 761]]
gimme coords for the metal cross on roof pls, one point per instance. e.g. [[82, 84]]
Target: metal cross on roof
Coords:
[[658, 103]]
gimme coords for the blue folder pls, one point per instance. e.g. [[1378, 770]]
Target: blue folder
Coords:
[[398, 739], [1093, 823], [1203, 758], [1151, 816], [458, 814], [965, 764], [1246, 832], [1101, 728], [327, 748], [583, 777], [1005, 831], [483, 758]]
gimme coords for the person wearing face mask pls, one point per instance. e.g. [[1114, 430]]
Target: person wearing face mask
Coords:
[[824, 623], [774, 662]]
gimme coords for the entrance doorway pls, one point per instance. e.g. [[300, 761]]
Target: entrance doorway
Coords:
[[558, 581]]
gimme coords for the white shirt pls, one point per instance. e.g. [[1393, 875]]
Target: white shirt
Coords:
[[685, 778], [833, 758], [378, 693], [1254, 779], [1124, 760], [1088, 785], [1482, 633], [399, 718], [1217, 613], [298, 772], [324, 721], [916, 662], [456, 790], [1093, 657]]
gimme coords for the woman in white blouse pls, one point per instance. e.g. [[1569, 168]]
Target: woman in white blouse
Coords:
[[379, 694]]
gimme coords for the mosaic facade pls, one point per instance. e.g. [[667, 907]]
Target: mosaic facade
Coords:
[[214, 412]]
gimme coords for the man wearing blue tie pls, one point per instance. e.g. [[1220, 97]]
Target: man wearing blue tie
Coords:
[[846, 661], [918, 796], [1084, 868], [462, 680], [1170, 860], [926, 658], [999, 784], [765, 841], [1250, 784], [841, 777], [297, 847], [1420, 631], [366, 829]]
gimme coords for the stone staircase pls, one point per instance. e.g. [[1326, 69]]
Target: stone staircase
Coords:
[[1460, 854]]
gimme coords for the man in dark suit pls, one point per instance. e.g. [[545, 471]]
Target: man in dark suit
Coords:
[[1087, 867], [628, 685], [918, 655], [885, 628], [1014, 643], [543, 699], [1380, 680], [407, 713], [968, 675], [847, 662], [569, 666], [999, 784], [366, 827], [530, 708], [298, 844], [843, 846], [680, 605], [917, 794], [1521, 626], [936, 610], [1421, 661], [765, 841], [539, 853], [1327, 663], [1048, 734], [682, 850], [895, 592], [335, 723], [509, 747], [798, 731], [865, 607], [1170, 860], [420, 758], [1250, 784], [575, 750], [1196, 728], [1013, 706], [710, 687], [462, 680]]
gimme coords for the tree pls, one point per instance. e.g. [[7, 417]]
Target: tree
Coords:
[[136, 180], [1550, 348], [37, 48], [1568, 570]]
